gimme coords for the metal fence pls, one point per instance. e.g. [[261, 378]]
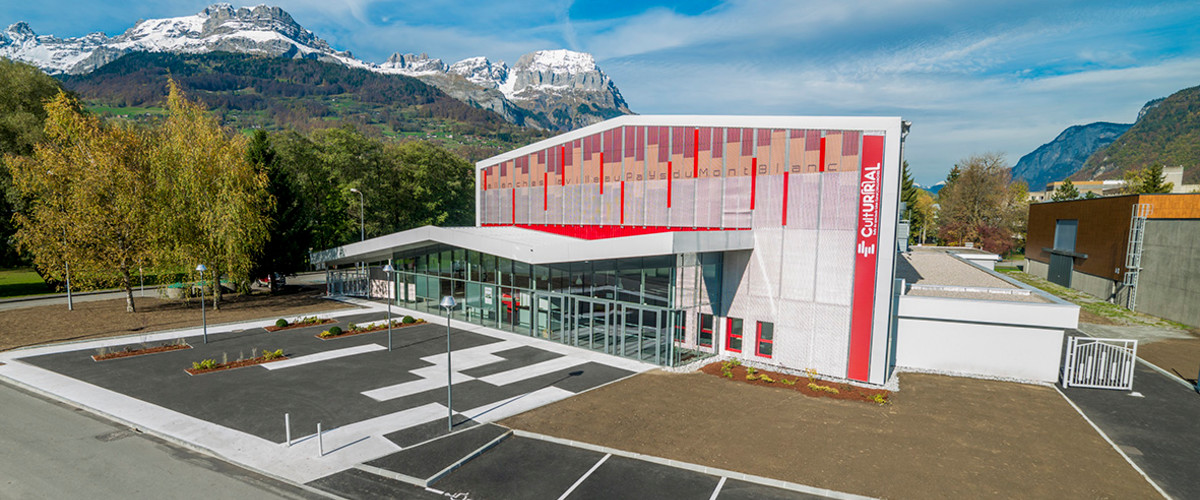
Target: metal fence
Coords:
[[1099, 363]]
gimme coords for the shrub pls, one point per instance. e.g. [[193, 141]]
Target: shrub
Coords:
[[788, 381], [822, 388], [207, 364], [751, 376], [879, 398], [766, 379], [408, 320], [269, 354], [280, 323], [352, 327], [325, 334], [335, 331]]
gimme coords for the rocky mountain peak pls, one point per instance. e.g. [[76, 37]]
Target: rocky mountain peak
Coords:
[[20, 30], [481, 71], [414, 63]]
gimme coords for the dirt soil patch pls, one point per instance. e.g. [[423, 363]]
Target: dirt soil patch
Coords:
[[234, 364], [130, 352], [942, 437], [1178, 356], [299, 324], [396, 325], [107, 318], [816, 388]]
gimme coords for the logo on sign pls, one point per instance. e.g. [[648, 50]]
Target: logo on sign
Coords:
[[865, 250], [869, 207]]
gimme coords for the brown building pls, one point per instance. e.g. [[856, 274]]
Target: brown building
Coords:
[[1139, 251]]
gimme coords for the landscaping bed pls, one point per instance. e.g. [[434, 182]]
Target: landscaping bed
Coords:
[[103, 354], [337, 333], [808, 385], [283, 324], [211, 365]]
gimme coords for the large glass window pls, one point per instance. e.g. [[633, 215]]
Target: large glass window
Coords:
[[733, 334], [765, 344], [706, 330]]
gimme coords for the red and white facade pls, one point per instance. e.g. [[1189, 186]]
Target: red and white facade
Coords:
[[817, 195]]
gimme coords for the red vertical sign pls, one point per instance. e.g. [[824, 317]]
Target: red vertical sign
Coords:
[[785, 196], [821, 167], [670, 174], [601, 172], [545, 191], [866, 250], [622, 203], [695, 153], [514, 206], [562, 162], [753, 181]]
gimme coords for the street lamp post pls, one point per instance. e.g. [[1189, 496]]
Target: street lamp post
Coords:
[[448, 303], [388, 270], [203, 314]]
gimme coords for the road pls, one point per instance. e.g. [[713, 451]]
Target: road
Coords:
[[309, 278], [54, 451]]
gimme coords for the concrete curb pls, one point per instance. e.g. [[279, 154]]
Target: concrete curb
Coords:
[[750, 478]]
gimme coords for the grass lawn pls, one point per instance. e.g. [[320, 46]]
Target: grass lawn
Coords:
[[19, 282], [1098, 308]]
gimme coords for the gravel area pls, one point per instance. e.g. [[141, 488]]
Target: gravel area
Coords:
[[936, 267], [942, 437]]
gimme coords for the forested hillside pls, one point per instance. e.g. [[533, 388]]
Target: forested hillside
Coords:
[[1167, 135], [273, 93]]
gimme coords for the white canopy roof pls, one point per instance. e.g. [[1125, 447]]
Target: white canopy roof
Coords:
[[537, 247]]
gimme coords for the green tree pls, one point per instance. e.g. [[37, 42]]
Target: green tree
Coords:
[[214, 200], [289, 237], [983, 205], [1149, 180], [88, 184], [1065, 192], [24, 90]]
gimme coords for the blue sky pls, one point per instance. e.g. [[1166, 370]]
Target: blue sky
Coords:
[[973, 77]]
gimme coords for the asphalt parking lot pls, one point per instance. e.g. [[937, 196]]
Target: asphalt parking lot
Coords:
[[519, 468], [339, 382]]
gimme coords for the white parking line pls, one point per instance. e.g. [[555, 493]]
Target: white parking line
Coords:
[[531, 371], [584, 477], [324, 356], [717, 492]]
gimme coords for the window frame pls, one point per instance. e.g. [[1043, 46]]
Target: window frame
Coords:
[[758, 339], [712, 321], [740, 336]]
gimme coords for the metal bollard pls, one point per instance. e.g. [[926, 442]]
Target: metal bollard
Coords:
[[320, 444], [287, 425]]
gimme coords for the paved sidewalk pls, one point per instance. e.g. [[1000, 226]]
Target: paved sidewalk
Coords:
[[1157, 427]]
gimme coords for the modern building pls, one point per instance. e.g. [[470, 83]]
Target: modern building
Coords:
[[1138, 251], [670, 238]]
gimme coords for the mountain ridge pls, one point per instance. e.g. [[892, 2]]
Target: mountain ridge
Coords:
[[548, 89]]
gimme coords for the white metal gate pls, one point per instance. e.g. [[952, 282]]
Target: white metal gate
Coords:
[[1099, 363]]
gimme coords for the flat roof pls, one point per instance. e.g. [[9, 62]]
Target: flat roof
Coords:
[[934, 272], [537, 247]]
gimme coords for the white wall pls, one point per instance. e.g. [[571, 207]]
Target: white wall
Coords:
[[1018, 340]]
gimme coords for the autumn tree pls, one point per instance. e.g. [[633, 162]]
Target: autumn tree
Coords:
[[983, 205], [88, 184], [1065, 192], [213, 198]]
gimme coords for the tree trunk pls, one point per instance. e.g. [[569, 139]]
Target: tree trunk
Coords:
[[127, 282], [216, 287]]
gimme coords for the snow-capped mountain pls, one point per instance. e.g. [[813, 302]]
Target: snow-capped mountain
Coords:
[[555, 89]]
